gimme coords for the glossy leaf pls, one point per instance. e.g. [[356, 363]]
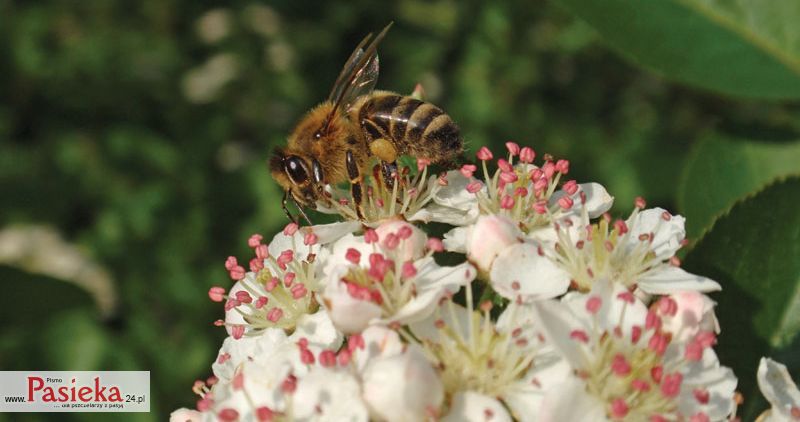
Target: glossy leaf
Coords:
[[721, 171], [753, 253], [738, 47]]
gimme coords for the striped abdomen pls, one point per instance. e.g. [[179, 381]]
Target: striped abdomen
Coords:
[[415, 127]]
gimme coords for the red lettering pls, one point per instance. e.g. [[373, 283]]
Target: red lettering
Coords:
[[31, 388], [114, 394], [63, 394], [49, 395], [85, 393], [98, 390]]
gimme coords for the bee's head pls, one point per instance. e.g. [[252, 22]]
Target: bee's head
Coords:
[[296, 175]]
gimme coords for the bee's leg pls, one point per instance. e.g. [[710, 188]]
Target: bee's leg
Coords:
[[389, 173], [286, 197], [285, 208], [355, 183], [385, 150]]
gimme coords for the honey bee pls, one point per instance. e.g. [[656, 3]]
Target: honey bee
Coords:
[[336, 141]]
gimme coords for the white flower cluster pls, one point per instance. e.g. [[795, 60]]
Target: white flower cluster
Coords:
[[580, 318]]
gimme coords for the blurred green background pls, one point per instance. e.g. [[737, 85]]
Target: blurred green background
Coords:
[[134, 135]]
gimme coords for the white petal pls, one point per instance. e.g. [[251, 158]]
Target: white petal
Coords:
[[456, 239], [338, 251], [557, 323], [456, 318], [261, 387], [349, 315], [319, 330], [470, 406], [611, 307], [524, 397], [326, 233], [778, 387], [432, 282], [328, 395], [666, 279], [519, 271], [454, 194], [451, 204], [667, 235], [402, 388], [185, 415], [718, 380], [570, 402], [235, 352], [379, 342], [598, 200]]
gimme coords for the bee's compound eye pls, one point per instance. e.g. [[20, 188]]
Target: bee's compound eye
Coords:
[[296, 169]]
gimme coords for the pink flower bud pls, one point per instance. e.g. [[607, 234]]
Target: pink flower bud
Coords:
[[490, 235], [275, 314], [404, 238], [254, 240], [671, 386], [237, 273], [508, 177], [562, 166], [484, 154], [409, 270], [256, 264], [474, 186], [593, 304], [310, 239], [527, 155], [237, 331], [549, 170], [422, 163], [353, 255], [692, 313], [565, 202], [620, 227], [327, 358], [435, 244], [370, 236], [216, 294], [468, 169], [290, 229], [513, 148], [619, 408], [405, 232], [505, 165], [244, 297], [570, 187]]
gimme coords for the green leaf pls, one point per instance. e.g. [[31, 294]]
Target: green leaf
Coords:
[[753, 253], [721, 171], [737, 47]]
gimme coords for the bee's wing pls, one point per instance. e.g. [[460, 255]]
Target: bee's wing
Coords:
[[359, 74]]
